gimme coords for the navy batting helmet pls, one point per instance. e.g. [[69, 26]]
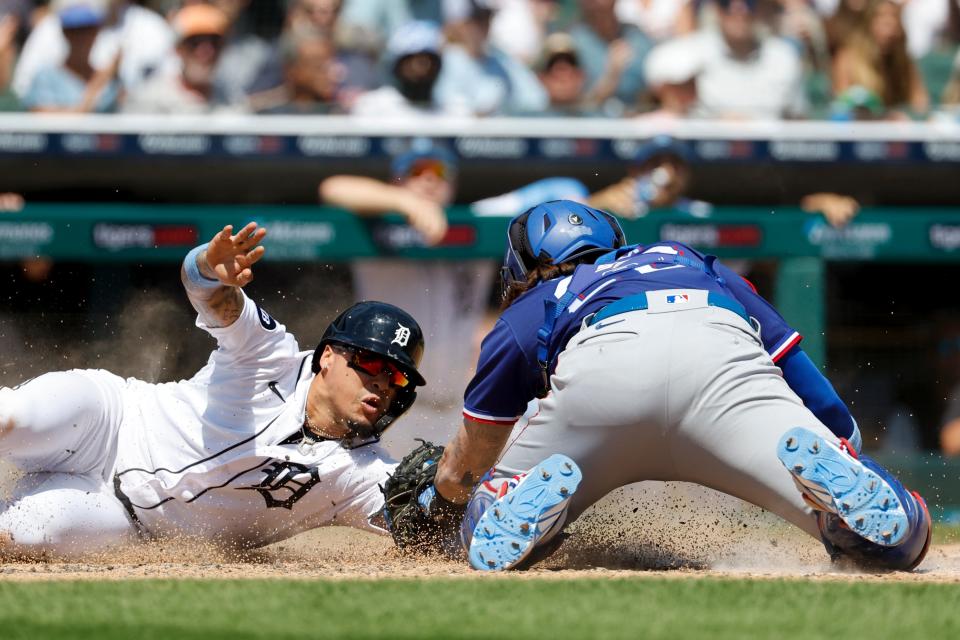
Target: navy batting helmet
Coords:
[[556, 232], [388, 331]]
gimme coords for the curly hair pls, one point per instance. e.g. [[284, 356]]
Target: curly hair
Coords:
[[540, 273]]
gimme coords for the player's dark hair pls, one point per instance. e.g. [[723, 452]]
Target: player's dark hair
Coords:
[[536, 275]]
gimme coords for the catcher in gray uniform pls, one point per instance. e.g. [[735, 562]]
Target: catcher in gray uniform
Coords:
[[653, 362]]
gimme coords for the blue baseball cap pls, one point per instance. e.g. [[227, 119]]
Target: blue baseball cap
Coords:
[[420, 150], [661, 145], [77, 14]]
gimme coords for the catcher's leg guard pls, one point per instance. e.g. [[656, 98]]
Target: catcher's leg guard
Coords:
[[529, 514], [864, 512]]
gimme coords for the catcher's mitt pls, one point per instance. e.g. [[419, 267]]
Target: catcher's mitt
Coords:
[[417, 517]]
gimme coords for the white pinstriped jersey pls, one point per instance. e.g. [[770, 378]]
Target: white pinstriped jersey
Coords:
[[204, 456]]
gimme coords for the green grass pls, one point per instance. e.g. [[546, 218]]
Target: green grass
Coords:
[[946, 533], [488, 609]]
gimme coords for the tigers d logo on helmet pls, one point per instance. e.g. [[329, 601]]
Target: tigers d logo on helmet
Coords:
[[380, 328], [401, 336]]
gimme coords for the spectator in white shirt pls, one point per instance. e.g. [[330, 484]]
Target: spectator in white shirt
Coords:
[[75, 86], [671, 73], [190, 88], [924, 22], [744, 72], [659, 19], [477, 77], [142, 37], [519, 27]]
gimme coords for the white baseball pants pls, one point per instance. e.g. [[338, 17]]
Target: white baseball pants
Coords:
[[61, 429]]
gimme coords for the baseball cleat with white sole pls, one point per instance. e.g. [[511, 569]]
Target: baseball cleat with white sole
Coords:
[[526, 515], [833, 479]]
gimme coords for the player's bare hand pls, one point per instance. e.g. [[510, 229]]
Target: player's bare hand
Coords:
[[619, 198], [230, 256], [837, 209], [10, 202], [428, 218], [950, 438]]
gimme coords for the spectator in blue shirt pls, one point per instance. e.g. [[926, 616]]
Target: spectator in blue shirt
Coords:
[[75, 86], [612, 54], [478, 78]]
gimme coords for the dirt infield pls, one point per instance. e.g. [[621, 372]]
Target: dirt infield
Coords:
[[651, 529]]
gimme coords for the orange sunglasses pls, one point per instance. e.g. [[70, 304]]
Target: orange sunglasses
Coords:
[[373, 364], [429, 165]]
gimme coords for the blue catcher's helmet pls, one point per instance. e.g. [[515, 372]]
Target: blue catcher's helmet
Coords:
[[556, 232]]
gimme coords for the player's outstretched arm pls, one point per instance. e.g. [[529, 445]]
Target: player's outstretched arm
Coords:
[[371, 197], [213, 274]]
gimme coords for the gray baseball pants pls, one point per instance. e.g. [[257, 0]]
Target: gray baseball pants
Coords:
[[686, 395]]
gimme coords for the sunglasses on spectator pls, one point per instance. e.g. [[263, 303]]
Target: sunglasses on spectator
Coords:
[[429, 165], [192, 42], [374, 364]]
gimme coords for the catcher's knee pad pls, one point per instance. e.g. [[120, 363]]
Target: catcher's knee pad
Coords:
[[842, 542]]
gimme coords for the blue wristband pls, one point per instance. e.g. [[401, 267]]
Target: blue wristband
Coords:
[[194, 277]]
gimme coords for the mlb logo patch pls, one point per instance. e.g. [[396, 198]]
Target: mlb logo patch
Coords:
[[679, 298]]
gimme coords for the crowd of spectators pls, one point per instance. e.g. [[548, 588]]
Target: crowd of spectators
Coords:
[[732, 59]]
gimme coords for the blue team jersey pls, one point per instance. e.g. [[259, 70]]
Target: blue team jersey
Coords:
[[508, 373]]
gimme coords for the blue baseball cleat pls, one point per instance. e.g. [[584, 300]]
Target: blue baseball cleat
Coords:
[[863, 511], [525, 516]]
